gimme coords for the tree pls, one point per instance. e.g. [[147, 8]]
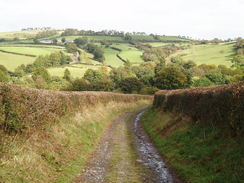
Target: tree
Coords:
[[98, 55], [159, 66], [55, 41], [127, 37], [188, 65], [41, 72], [71, 48], [202, 82], [238, 61], [217, 78], [171, 77], [131, 85], [80, 85], [4, 76], [96, 51], [35, 40], [176, 60], [81, 41], [70, 32], [144, 74], [120, 73], [63, 40], [93, 76], [19, 71], [67, 75], [103, 85]]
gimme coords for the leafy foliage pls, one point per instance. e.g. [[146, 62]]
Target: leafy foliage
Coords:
[[171, 77]]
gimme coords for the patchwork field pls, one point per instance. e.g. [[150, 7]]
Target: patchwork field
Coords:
[[209, 54], [87, 58], [94, 38], [76, 70], [129, 52], [111, 58], [12, 61], [36, 51]]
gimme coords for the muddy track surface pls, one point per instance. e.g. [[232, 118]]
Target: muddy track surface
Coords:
[[125, 155]]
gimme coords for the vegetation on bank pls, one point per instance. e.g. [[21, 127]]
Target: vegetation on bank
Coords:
[[24, 108], [200, 131], [48, 136], [197, 153]]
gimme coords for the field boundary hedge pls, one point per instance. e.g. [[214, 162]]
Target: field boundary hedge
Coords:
[[219, 105], [24, 108], [14, 53]]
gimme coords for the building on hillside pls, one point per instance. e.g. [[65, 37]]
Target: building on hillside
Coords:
[[46, 41]]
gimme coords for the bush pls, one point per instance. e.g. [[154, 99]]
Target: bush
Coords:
[[201, 82], [221, 106], [171, 77], [130, 85], [24, 109], [71, 48], [150, 90], [4, 76]]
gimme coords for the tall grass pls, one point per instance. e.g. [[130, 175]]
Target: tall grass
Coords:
[[58, 151]]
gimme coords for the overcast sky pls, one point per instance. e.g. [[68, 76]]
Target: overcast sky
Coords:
[[194, 18]]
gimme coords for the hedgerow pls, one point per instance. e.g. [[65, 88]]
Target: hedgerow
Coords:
[[221, 106], [23, 109]]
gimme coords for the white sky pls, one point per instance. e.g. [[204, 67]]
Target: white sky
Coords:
[[194, 18]]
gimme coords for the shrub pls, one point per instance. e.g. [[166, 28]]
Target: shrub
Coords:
[[219, 105], [130, 85], [24, 109], [171, 77]]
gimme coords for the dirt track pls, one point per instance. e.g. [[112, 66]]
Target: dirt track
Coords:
[[125, 155]]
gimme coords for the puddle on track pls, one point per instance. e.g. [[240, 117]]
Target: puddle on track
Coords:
[[148, 155]]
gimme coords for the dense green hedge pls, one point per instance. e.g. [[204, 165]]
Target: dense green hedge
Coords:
[[219, 106], [23, 108]]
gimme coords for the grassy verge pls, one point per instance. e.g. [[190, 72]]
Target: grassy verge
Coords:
[[198, 153], [58, 151]]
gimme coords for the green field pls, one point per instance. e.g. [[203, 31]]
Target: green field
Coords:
[[87, 58], [142, 37], [158, 44], [94, 38], [31, 50], [11, 44], [12, 61], [172, 38], [129, 52], [111, 58], [76, 70], [209, 54]]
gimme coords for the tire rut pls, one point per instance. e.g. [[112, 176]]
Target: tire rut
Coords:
[[125, 155]]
